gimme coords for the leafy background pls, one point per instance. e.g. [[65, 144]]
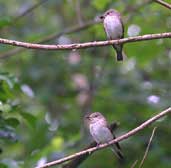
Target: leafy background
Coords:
[[45, 94]]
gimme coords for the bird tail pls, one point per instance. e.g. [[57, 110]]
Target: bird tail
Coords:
[[117, 151], [118, 49]]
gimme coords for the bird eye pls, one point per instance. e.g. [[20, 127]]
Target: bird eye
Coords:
[[102, 17]]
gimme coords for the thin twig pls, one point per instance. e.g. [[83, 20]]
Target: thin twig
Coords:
[[165, 4], [26, 12], [122, 137], [148, 146], [78, 11], [29, 10], [72, 29], [11, 52], [134, 164], [85, 45]]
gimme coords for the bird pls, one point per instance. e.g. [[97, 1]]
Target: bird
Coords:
[[113, 26], [99, 130]]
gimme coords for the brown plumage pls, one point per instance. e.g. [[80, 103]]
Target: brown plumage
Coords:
[[98, 127], [114, 29]]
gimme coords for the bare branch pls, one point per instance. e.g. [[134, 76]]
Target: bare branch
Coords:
[[134, 164], [26, 12], [84, 45], [165, 4], [30, 9], [122, 137], [148, 146], [11, 52], [78, 11], [69, 30]]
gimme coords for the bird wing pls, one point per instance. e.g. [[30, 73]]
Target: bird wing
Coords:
[[114, 137]]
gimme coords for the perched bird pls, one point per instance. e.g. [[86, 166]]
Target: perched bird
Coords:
[[100, 131], [114, 29]]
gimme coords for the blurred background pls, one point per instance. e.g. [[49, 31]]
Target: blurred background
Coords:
[[45, 94]]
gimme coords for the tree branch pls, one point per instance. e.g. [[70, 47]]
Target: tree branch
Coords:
[[134, 164], [84, 45], [122, 137], [75, 29], [26, 12], [69, 30], [165, 4], [148, 146], [29, 10]]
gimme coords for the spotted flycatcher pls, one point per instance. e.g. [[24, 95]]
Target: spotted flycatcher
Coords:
[[100, 131], [114, 29]]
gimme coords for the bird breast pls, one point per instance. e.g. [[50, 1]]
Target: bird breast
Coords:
[[113, 27], [100, 133]]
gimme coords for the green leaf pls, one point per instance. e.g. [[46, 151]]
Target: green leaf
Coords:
[[100, 4], [9, 79], [31, 119], [12, 122], [4, 21], [2, 165]]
